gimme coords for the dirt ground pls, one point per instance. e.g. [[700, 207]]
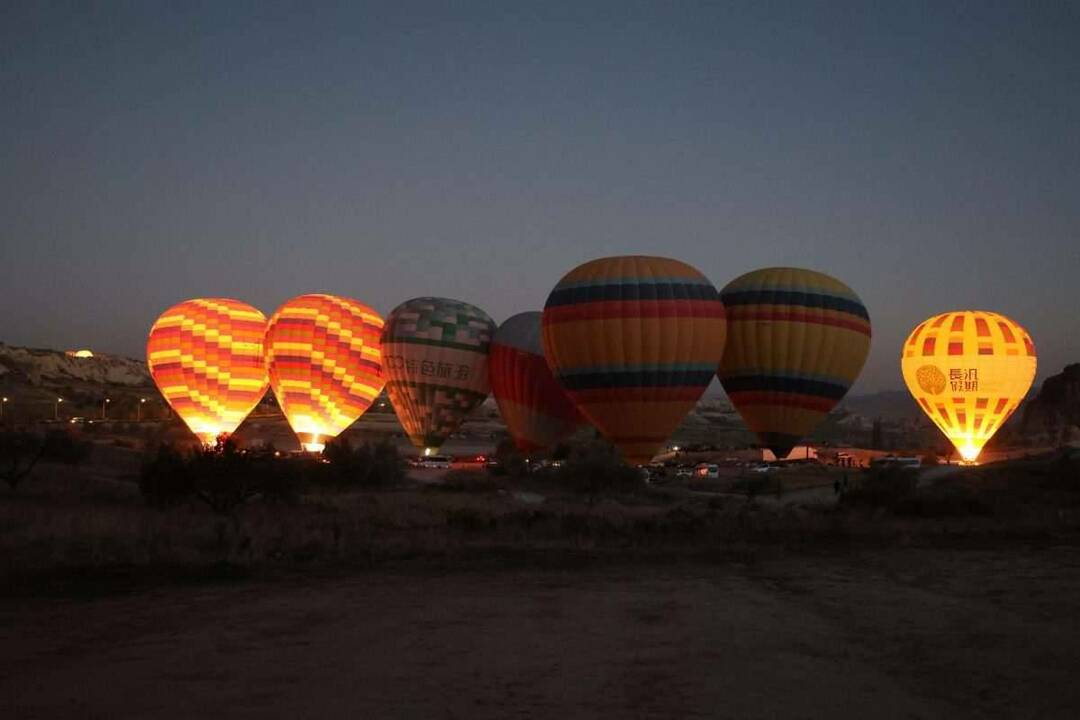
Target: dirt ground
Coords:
[[902, 634]]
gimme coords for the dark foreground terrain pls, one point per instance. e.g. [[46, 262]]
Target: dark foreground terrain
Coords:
[[915, 633]]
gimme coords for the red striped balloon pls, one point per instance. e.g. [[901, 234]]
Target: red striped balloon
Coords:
[[537, 411]]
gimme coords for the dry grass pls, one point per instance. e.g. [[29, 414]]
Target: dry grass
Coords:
[[68, 520]]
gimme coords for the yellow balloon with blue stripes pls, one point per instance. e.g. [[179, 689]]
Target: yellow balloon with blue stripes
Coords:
[[797, 340], [634, 340]]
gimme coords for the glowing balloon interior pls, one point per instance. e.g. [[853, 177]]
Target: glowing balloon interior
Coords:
[[206, 357], [969, 370], [797, 340], [324, 358]]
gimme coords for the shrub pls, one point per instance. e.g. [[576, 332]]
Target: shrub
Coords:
[[369, 465], [754, 485], [227, 476], [947, 500], [883, 487], [596, 468], [166, 479], [511, 461], [19, 452], [61, 446], [223, 477], [468, 481]]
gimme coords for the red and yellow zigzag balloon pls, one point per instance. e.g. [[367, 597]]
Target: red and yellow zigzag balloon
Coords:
[[206, 357], [324, 358]]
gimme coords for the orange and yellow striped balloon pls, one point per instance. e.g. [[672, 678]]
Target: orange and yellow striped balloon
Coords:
[[324, 357], [634, 341], [969, 370], [797, 340], [206, 357]]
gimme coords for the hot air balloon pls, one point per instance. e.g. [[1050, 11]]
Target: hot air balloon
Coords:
[[635, 341], [797, 340], [206, 357], [324, 358], [537, 411], [968, 370], [436, 354]]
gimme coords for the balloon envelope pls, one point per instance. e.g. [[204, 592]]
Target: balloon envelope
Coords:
[[206, 357], [635, 341], [968, 370], [324, 358], [537, 411], [797, 340], [436, 358]]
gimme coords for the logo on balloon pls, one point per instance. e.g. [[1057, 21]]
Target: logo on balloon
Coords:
[[931, 379]]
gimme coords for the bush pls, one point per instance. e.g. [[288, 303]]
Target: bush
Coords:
[[949, 500], [61, 446], [596, 468], [226, 476], [468, 481], [754, 485], [883, 487], [19, 452], [1062, 474], [223, 477], [511, 461], [369, 465], [166, 479]]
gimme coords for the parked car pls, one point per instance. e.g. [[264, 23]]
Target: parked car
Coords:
[[465, 462], [440, 462], [684, 471], [706, 471]]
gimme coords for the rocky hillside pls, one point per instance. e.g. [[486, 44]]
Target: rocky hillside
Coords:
[[1054, 413], [32, 379], [51, 368]]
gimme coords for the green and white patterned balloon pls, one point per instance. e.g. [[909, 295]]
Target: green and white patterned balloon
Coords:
[[435, 354]]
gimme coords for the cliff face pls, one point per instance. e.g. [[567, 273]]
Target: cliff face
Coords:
[[53, 368], [1054, 413]]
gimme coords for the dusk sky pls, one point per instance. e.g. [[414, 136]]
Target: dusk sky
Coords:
[[926, 154]]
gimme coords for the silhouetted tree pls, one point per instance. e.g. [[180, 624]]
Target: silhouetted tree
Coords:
[[19, 453]]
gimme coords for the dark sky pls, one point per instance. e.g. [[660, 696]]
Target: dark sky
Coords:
[[926, 154]]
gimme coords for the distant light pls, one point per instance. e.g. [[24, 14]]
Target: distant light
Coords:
[[142, 400], [59, 400], [79, 353], [675, 448]]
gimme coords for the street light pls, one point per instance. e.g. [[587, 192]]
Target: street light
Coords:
[[56, 408], [2, 404], [104, 403], [141, 401]]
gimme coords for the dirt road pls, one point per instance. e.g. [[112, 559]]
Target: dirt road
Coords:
[[906, 634]]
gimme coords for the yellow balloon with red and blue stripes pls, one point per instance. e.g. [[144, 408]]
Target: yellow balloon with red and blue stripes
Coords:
[[797, 340], [634, 341]]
